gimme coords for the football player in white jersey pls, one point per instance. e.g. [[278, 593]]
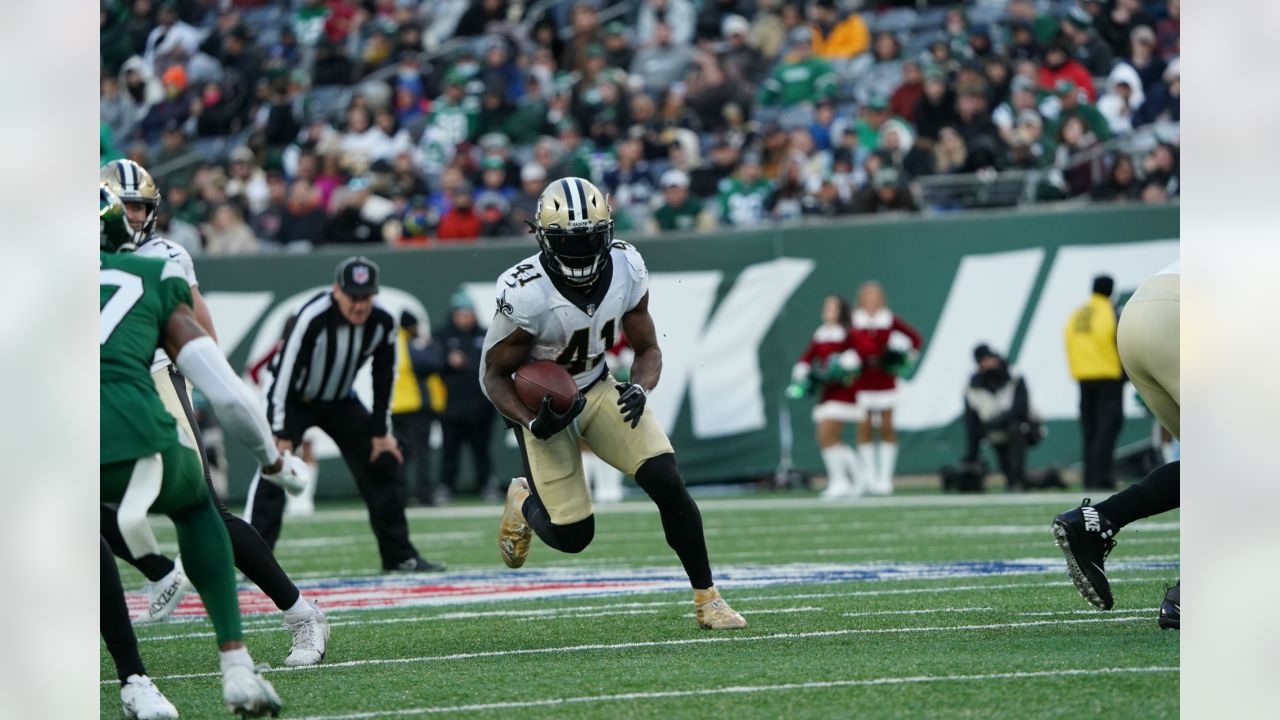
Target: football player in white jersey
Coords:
[[1147, 336], [167, 583], [567, 304]]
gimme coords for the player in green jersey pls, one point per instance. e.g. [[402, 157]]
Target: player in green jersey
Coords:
[[147, 464]]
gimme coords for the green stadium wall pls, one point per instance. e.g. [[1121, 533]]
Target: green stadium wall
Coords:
[[735, 309]]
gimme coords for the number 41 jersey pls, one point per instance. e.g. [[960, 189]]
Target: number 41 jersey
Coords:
[[574, 332], [136, 296]]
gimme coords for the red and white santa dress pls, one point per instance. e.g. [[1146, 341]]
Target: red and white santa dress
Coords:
[[877, 337], [837, 401]]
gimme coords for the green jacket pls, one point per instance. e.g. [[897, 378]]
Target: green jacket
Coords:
[[792, 83]]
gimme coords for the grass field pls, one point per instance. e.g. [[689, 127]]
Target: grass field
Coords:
[[911, 606]]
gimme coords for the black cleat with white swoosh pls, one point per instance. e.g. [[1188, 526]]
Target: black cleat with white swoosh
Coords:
[[1171, 609], [1086, 538]]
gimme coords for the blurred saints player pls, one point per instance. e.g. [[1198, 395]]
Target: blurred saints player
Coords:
[[1147, 336], [149, 463], [568, 303], [167, 582]]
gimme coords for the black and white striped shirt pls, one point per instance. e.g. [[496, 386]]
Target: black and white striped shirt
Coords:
[[321, 355]]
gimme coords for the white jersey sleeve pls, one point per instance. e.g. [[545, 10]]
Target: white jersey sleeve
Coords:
[[159, 247], [637, 273], [521, 298]]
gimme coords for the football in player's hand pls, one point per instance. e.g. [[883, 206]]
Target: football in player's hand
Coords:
[[534, 380]]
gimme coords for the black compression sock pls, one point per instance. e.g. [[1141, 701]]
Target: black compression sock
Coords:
[[113, 619], [570, 538], [259, 564], [681, 520], [1156, 493]]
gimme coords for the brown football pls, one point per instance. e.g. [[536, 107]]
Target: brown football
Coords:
[[534, 380]]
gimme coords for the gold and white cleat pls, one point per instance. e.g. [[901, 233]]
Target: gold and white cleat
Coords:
[[514, 534], [714, 613]]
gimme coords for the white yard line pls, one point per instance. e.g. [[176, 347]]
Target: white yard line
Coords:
[[729, 638], [924, 611], [742, 690]]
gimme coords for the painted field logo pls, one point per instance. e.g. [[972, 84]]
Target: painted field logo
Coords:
[[382, 592]]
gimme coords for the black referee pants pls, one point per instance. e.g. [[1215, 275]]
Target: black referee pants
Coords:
[[1101, 417], [351, 427]]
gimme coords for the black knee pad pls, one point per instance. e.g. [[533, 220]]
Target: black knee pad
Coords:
[[659, 477], [575, 537]]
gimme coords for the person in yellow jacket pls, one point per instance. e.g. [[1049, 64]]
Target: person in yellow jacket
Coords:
[[1095, 364], [414, 407], [836, 39]]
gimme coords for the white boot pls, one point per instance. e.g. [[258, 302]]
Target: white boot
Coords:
[[140, 699], [244, 691], [884, 472], [837, 473], [857, 472], [867, 459]]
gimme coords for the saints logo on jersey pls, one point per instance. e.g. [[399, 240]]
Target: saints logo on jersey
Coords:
[[114, 233], [131, 182], [574, 228]]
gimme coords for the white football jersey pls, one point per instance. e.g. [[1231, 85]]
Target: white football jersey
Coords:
[[576, 338], [159, 247]]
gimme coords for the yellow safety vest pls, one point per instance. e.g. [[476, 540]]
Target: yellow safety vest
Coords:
[[1091, 341]]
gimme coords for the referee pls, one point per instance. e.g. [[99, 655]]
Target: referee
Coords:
[[334, 334]]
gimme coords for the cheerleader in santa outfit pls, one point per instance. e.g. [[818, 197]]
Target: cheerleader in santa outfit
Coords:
[[884, 343], [829, 355]]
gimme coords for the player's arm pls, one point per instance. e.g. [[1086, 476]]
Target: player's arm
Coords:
[[501, 362], [201, 309], [637, 325], [198, 358]]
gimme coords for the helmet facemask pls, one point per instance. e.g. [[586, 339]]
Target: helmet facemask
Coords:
[[114, 232], [577, 255]]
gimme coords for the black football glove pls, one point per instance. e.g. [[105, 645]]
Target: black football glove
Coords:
[[548, 422], [631, 400]]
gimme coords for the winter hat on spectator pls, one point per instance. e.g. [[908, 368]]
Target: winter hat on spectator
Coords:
[[175, 78], [1104, 285], [982, 352], [1065, 87], [242, 154], [801, 36], [494, 141], [734, 25], [674, 178], [532, 171], [1079, 17], [1022, 82], [885, 177], [615, 28], [1143, 33], [493, 162]]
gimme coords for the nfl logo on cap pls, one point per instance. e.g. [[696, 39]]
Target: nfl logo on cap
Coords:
[[360, 274], [357, 276]]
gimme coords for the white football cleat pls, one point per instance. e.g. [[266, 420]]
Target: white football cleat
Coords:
[[310, 635], [294, 474], [140, 699], [164, 595], [248, 694]]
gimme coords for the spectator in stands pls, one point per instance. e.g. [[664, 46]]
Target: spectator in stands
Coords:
[[177, 231], [1122, 99], [885, 73], [1117, 20], [884, 193], [1168, 30], [741, 198], [770, 25], [801, 79], [175, 106], [661, 63], [835, 38], [1058, 65], [476, 20], [114, 109], [586, 31], [937, 106], [1161, 167], [349, 224], [1163, 104], [227, 234], [1122, 182], [710, 92], [172, 163], [460, 223], [678, 15], [170, 39], [533, 180], [825, 201], [906, 97], [246, 182], [114, 43], [785, 200], [329, 179], [997, 408], [618, 52], [876, 121], [267, 223], [980, 134], [997, 74], [679, 211], [743, 64], [721, 162], [1073, 138], [1023, 44], [1028, 148], [1022, 98], [1085, 46], [186, 207], [1072, 105], [1090, 336], [950, 155], [240, 55], [1144, 58]]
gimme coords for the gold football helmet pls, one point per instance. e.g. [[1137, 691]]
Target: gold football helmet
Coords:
[[574, 228], [114, 232], [131, 182]]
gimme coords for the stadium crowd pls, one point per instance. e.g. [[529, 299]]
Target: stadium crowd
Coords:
[[294, 124]]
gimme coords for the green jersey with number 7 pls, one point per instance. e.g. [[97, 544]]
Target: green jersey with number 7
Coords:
[[136, 297]]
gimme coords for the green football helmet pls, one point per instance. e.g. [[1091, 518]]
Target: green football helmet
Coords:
[[114, 233]]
